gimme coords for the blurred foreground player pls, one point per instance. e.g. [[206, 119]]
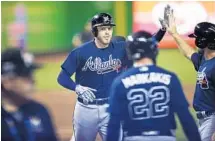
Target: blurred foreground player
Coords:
[[23, 119]]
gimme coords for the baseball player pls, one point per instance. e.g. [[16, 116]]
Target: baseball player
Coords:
[[204, 63], [96, 64], [23, 119], [146, 97]]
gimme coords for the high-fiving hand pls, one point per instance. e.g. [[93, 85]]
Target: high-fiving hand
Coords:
[[168, 21], [85, 93]]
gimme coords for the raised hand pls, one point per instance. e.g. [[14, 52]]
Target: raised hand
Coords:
[[165, 19], [169, 20]]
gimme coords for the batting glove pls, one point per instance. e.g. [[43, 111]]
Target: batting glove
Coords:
[[85, 93]]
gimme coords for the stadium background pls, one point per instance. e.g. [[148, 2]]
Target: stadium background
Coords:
[[46, 28]]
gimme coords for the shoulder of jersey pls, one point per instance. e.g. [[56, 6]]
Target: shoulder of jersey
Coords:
[[157, 68], [166, 71], [119, 44], [33, 106], [83, 46]]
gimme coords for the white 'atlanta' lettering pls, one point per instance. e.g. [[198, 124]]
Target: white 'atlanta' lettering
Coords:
[[102, 67]]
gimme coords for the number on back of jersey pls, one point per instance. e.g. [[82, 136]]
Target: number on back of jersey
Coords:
[[145, 104]]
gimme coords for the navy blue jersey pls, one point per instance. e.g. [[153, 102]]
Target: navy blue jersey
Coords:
[[144, 99], [6, 133], [31, 122], [204, 98], [96, 67]]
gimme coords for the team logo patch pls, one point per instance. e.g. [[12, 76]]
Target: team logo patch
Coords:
[[102, 67], [106, 19], [36, 124], [202, 79]]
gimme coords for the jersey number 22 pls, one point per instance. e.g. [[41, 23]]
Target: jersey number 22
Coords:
[[148, 104]]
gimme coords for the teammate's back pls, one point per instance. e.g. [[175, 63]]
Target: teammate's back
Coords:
[[146, 97], [150, 93]]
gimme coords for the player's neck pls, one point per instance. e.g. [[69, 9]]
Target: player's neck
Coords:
[[209, 54], [99, 44], [144, 62]]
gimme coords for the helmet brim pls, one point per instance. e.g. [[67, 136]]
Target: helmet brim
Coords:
[[102, 24], [30, 70], [192, 35], [36, 66]]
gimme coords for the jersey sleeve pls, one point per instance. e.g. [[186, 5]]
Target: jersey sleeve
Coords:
[[188, 124], [71, 62], [178, 99], [180, 106], [115, 110], [196, 60], [159, 35], [68, 68], [65, 80]]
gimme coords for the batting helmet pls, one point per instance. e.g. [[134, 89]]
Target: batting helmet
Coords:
[[140, 45], [101, 19], [16, 63], [204, 33]]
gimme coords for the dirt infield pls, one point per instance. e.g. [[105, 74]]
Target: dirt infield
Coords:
[[61, 106]]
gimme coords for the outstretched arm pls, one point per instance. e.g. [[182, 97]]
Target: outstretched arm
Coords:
[[184, 47], [160, 34], [170, 25]]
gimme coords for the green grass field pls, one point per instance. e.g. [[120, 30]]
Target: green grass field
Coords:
[[172, 60]]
